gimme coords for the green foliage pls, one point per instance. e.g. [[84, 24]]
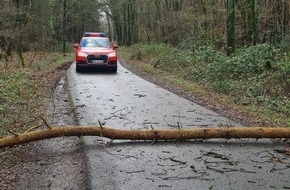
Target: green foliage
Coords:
[[192, 44], [284, 69], [248, 61], [257, 75], [208, 54], [284, 44]]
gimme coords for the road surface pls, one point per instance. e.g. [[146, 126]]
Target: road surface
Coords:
[[125, 101]]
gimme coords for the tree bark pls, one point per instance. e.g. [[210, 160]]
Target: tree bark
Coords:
[[63, 26], [21, 31], [254, 22], [230, 26], [172, 134]]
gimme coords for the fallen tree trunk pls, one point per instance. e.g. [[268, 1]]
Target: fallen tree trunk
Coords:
[[172, 134]]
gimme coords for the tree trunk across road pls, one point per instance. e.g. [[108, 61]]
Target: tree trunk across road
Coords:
[[173, 134]]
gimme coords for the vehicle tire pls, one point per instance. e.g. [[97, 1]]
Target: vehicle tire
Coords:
[[113, 70], [78, 69]]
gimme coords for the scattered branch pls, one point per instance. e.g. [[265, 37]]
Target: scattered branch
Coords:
[[45, 122], [9, 131]]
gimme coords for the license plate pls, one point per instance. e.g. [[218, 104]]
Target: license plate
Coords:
[[97, 61]]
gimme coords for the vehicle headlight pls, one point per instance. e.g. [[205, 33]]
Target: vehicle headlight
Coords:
[[82, 54], [114, 54]]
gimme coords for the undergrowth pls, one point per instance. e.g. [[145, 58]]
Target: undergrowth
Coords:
[[24, 92], [257, 78]]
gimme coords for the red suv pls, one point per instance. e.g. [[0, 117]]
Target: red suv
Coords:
[[96, 50]]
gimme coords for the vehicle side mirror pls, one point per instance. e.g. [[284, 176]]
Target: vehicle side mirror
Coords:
[[115, 46], [76, 45]]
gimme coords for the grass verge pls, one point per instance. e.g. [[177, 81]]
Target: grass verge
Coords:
[[24, 91]]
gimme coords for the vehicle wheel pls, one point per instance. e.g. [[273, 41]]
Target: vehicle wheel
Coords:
[[78, 69], [114, 70]]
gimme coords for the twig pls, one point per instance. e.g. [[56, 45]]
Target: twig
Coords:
[[179, 178], [119, 110], [32, 129], [100, 123], [120, 115], [46, 124], [161, 173], [178, 161], [223, 170], [9, 131], [153, 141], [215, 155], [170, 125], [32, 59], [138, 171], [178, 125]]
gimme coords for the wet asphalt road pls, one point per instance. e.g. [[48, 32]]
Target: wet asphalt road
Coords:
[[125, 101]]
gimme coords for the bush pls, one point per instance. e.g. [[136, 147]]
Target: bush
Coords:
[[253, 75], [247, 62]]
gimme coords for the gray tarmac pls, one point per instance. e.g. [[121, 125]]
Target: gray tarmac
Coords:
[[126, 101]]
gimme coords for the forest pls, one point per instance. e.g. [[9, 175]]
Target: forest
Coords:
[[219, 23], [223, 24], [238, 48]]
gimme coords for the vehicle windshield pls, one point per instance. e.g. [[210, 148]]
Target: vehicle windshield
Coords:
[[95, 42]]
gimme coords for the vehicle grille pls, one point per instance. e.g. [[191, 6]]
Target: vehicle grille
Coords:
[[90, 58]]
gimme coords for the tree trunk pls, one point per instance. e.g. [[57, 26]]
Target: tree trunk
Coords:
[[63, 27], [21, 31], [230, 26], [172, 134], [254, 22]]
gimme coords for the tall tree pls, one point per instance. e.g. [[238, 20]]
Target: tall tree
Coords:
[[66, 5], [230, 26]]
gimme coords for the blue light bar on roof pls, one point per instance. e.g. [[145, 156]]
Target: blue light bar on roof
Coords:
[[94, 34]]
